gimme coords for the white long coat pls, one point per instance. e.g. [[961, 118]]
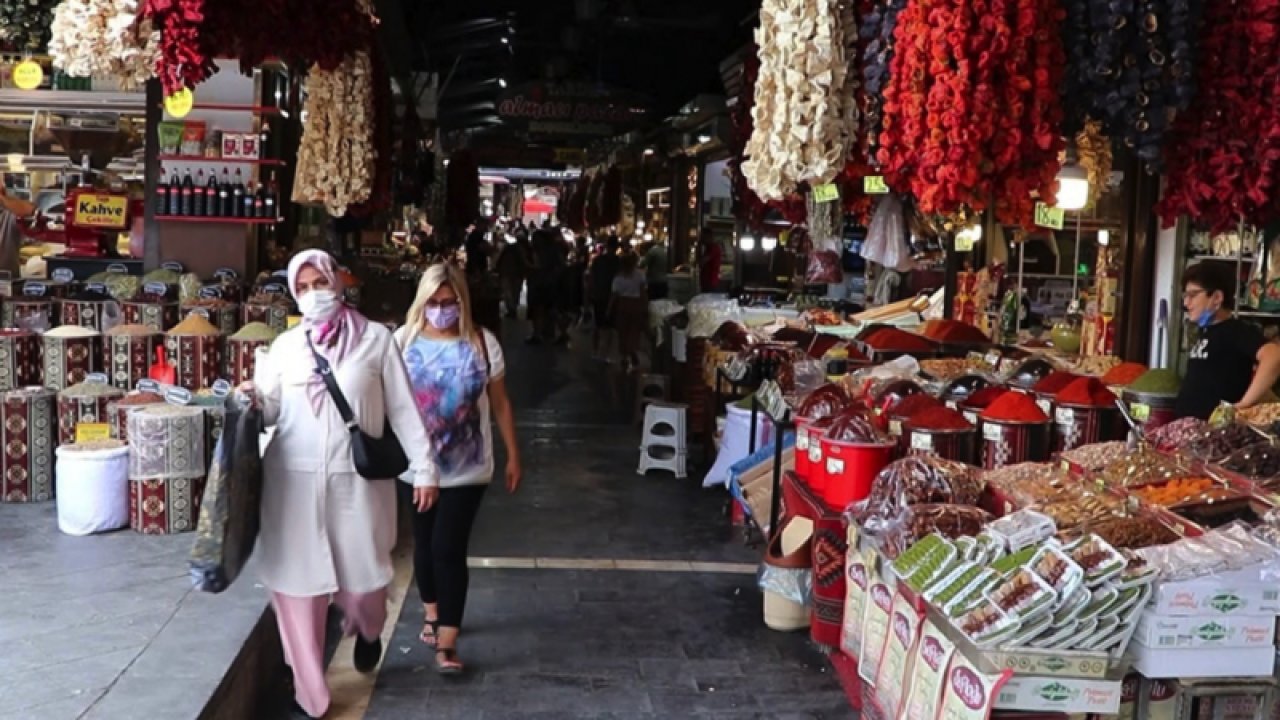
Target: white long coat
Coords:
[[324, 527]]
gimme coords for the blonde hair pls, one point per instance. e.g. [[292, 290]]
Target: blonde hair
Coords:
[[434, 278]]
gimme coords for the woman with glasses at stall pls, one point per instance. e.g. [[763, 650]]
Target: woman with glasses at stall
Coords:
[[458, 376]]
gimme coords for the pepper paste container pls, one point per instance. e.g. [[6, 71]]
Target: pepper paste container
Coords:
[[817, 477], [19, 359], [224, 315], [273, 312], [86, 402], [850, 469], [157, 315], [28, 427], [166, 468], [1076, 425], [195, 347], [128, 352], [70, 353], [242, 351], [958, 445], [803, 440], [1150, 410], [95, 314], [1009, 443], [32, 313], [119, 410]]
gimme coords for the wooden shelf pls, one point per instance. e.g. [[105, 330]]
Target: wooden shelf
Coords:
[[216, 220], [255, 109], [269, 162]]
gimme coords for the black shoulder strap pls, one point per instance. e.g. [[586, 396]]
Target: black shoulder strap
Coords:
[[484, 348], [331, 383]]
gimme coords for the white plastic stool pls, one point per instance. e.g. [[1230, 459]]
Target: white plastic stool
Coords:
[[662, 457], [664, 426], [651, 388]]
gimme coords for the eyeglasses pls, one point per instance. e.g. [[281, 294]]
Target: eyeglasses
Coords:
[[1192, 294], [442, 303]]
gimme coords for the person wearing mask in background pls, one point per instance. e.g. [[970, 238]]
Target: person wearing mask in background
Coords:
[[12, 210], [710, 257], [629, 308], [602, 271], [1230, 361], [327, 532], [458, 376], [655, 270]]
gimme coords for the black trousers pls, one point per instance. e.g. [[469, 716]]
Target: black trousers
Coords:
[[440, 539]]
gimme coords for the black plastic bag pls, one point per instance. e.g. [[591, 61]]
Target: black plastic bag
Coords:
[[229, 518]]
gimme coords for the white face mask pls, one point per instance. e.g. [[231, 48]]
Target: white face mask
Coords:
[[319, 304]]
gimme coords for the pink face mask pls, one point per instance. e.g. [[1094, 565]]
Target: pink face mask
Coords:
[[443, 318]]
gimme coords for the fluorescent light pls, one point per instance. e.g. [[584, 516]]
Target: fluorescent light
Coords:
[[746, 242], [768, 243], [1104, 238], [1073, 188], [704, 139]]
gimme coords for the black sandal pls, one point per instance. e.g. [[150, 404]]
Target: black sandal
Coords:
[[430, 635], [451, 664]]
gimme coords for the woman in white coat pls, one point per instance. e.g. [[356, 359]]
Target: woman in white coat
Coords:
[[327, 533]]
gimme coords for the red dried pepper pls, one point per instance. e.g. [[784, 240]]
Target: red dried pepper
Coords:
[[912, 404], [184, 61]]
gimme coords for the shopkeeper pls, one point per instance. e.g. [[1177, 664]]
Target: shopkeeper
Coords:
[[1226, 351]]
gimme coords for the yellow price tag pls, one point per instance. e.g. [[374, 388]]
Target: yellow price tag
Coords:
[[826, 193], [1050, 217], [27, 75], [874, 185], [1140, 412], [180, 103], [89, 432]]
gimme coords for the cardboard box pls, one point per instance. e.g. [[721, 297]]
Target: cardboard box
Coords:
[[1155, 631], [1066, 695], [1203, 662], [1216, 596]]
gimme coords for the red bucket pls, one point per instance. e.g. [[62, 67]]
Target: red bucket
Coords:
[[850, 469]]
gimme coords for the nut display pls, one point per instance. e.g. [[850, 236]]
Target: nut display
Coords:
[[1143, 467], [1260, 415], [1073, 511], [1177, 433], [1096, 456], [947, 368], [1219, 443], [1257, 462], [949, 520], [1133, 532]]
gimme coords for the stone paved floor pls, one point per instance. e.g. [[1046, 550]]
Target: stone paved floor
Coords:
[[603, 643]]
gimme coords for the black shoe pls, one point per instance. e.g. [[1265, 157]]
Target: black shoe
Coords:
[[367, 654]]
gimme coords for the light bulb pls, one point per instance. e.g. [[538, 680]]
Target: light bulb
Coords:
[[649, 151], [768, 243], [747, 243], [640, 224], [1104, 237], [502, 82], [1073, 188], [648, 237], [704, 139]]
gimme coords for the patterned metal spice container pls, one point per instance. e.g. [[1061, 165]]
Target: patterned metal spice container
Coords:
[[87, 402], [19, 359], [128, 352], [196, 348], [92, 314], [223, 314], [242, 350], [69, 354], [271, 311], [27, 444], [165, 507], [1010, 443], [158, 316], [166, 468], [27, 312], [1074, 426], [119, 410]]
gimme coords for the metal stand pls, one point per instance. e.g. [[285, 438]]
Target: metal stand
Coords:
[[780, 427]]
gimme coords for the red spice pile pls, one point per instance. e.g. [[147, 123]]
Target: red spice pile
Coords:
[[1087, 391], [1015, 407], [937, 418], [893, 339], [1124, 373], [984, 397], [1054, 381], [912, 404], [953, 331]]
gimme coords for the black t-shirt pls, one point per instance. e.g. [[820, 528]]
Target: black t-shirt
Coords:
[[1220, 367]]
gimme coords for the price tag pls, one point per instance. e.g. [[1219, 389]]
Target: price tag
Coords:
[[274, 289], [1140, 412], [1064, 416], [1050, 217], [96, 287], [172, 265], [922, 441], [835, 466], [148, 385], [210, 292], [180, 103], [281, 274], [1066, 466], [826, 193], [155, 288], [895, 428], [118, 269], [34, 289], [815, 453], [92, 431], [226, 273], [63, 275], [27, 75], [965, 242], [202, 312], [802, 440], [221, 388], [1045, 406], [971, 416], [994, 433], [99, 378], [874, 185], [993, 359], [951, 405], [177, 396]]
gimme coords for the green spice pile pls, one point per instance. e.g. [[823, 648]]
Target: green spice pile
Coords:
[[1160, 381]]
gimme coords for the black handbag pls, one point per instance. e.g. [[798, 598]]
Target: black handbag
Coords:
[[375, 458]]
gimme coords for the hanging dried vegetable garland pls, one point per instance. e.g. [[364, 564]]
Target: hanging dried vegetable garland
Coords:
[[803, 122], [972, 114], [104, 38], [384, 106], [876, 30], [1094, 152], [336, 156], [747, 205], [24, 24], [1226, 168], [185, 59]]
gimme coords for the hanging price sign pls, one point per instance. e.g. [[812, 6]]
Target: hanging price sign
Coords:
[[180, 103], [874, 185], [27, 75], [826, 193], [1050, 217]]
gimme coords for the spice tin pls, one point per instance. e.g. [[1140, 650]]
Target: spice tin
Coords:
[[19, 359], [197, 358], [157, 316], [86, 403], [126, 359], [275, 314], [67, 360], [1150, 410], [242, 359], [1076, 425], [32, 313], [958, 445], [160, 506], [166, 442], [224, 315], [119, 410], [92, 314], [1009, 443], [27, 441]]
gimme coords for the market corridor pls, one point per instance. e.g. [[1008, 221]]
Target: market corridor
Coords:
[[611, 595]]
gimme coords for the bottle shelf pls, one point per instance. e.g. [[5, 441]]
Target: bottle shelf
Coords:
[[219, 107], [216, 220], [267, 162]]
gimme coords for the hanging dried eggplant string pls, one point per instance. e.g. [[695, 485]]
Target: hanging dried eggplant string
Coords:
[[826, 228], [876, 29], [24, 24]]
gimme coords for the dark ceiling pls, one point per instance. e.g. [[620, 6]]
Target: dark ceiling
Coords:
[[668, 50]]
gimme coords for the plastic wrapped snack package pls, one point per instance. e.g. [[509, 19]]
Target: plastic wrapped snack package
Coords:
[[708, 312], [166, 442]]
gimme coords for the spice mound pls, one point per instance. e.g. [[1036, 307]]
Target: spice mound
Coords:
[[262, 332], [1015, 407], [984, 397], [1124, 373], [912, 404], [937, 418], [195, 324], [1054, 382], [953, 331], [1087, 392], [1159, 381], [71, 331], [132, 330], [895, 340]]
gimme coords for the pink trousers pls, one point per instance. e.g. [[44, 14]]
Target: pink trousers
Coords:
[[302, 625]]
